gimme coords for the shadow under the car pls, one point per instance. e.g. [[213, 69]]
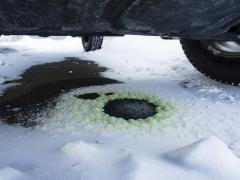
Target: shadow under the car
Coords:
[[6, 50], [42, 84]]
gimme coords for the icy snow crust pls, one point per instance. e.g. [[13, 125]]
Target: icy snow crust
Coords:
[[198, 139]]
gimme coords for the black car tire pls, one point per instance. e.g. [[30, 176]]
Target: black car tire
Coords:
[[92, 43], [222, 68]]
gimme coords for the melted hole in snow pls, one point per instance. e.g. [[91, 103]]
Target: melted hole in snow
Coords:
[[88, 96], [109, 94], [130, 109]]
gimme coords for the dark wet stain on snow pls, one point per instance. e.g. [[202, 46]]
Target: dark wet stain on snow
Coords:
[[130, 109], [42, 84], [109, 94], [90, 96]]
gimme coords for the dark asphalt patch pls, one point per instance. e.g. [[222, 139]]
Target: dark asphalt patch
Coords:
[[42, 84], [130, 109]]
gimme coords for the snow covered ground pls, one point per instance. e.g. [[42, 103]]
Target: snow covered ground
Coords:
[[201, 140]]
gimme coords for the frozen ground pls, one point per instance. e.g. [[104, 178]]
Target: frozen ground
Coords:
[[201, 140]]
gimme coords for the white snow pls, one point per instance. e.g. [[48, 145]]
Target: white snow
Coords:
[[209, 155], [81, 151], [200, 141], [9, 173], [144, 168], [206, 159]]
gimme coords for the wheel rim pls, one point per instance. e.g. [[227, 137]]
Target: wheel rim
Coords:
[[226, 49]]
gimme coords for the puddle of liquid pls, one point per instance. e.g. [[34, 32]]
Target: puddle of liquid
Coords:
[[42, 84]]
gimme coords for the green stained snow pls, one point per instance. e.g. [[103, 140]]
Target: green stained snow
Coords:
[[90, 113], [97, 114]]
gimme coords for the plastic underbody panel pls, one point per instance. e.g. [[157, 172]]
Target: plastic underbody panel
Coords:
[[197, 19]]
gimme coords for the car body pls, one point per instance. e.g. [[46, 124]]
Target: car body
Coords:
[[196, 19]]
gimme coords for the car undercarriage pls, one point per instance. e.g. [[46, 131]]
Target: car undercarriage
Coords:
[[185, 19]]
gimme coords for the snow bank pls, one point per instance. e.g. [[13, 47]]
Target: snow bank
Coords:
[[204, 160], [147, 168], [81, 151], [209, 155], [9, 173]]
